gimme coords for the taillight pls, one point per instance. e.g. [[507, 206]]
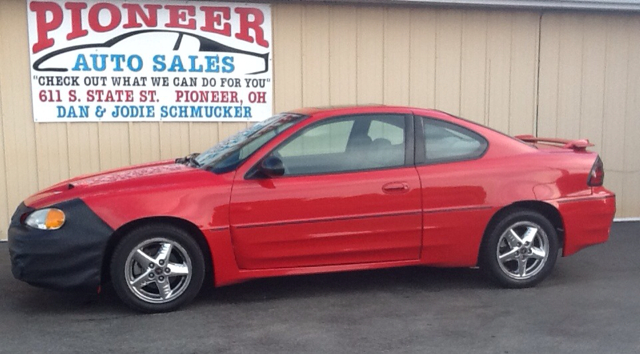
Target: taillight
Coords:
[[596, 176]]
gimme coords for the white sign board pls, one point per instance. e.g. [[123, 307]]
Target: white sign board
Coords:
[[150, 61]]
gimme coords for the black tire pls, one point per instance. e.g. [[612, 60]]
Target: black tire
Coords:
[[159, 289], [500, 242]]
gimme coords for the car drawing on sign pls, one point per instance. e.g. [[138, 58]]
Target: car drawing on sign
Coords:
[[154, 41], [318, 190]]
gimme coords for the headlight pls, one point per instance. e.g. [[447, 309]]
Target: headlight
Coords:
[[46, 219]]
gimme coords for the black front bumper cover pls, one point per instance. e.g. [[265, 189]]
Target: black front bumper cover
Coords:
[[69, 258]]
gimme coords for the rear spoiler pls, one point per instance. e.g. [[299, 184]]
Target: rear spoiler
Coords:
[[578, 144]]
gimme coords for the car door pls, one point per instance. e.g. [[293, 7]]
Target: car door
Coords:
[[350, 194]]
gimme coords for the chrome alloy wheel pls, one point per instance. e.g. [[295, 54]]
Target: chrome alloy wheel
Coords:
[[158, 270], [523, 250]]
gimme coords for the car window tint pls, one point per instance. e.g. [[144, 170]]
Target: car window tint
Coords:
[[251, 147], [322, 139], [345, 144], [380, 129], [446, 142]]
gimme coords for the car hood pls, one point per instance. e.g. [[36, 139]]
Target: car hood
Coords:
[[139, 176]]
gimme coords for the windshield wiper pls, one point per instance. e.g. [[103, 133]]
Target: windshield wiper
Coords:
[[189, 160]]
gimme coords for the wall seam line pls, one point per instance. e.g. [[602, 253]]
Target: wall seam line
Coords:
[[623, 195], [409, 81], [555, 131], [435, 62], [357, 50], [485, 110], [385, 16], [4, 153], [303, 36], [580, 117], [604, 87], [129, 127], [66, 128], [462, 22], [536, 117], [509, 102], [329, 66]]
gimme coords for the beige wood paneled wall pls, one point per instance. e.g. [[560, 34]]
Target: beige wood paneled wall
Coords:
[[482, 65], [479, 64], [590, 88]]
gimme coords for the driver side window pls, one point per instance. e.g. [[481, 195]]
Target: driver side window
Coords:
[[324, 139], [345, 144]]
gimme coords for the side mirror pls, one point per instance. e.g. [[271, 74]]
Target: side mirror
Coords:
[[272, 166]]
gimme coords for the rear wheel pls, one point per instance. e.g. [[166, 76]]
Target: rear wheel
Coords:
[[521, 250], [157, 268]]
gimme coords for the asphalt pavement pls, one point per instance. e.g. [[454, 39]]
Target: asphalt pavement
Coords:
[[589, 304]]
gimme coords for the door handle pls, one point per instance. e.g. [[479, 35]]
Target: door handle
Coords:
[[395, 187]]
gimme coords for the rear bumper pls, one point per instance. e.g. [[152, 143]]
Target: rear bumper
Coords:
[[66, 259], [587, 220]]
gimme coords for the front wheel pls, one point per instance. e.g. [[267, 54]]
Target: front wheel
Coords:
[[520, 250], [157, 268]]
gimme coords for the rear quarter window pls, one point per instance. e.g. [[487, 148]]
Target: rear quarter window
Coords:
[[448, 142]]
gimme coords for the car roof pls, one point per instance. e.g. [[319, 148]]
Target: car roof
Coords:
[[368, 108]]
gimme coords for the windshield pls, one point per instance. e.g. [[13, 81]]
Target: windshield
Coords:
[[229, 153]]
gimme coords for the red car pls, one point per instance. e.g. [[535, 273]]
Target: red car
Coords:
[[318, 190]]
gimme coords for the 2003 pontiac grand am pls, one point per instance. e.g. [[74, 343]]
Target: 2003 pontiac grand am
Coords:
[[318, 190]]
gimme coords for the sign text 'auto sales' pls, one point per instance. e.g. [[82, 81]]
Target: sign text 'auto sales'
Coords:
[[173, 61]]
